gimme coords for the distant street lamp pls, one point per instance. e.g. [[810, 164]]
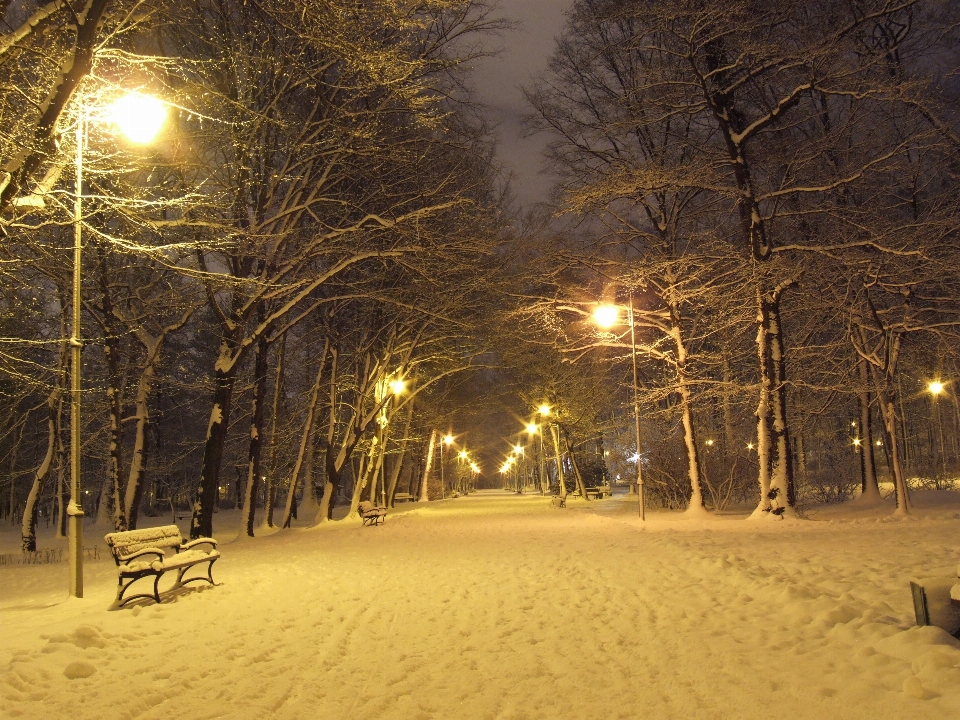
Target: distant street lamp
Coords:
[[606, 316], [139, 118], [936, 388]]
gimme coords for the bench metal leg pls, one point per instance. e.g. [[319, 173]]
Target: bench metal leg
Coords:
[[121, 588], [208, 578]]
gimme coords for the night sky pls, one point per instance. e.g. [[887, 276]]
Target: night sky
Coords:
[[498, 82]]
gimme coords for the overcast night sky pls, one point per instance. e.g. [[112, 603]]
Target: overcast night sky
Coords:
[[498, 82]]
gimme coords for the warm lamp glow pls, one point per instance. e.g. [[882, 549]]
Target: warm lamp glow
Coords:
[[710, 442], [139, 117], [474, 467], [749, 446], [448, 439], [606, 316], [532, 428], [856, 442], [544, 410], [462, 455], [935, 387], [398, 387], [518, 449]]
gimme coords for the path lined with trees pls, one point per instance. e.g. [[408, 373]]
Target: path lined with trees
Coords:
[[317, 272]]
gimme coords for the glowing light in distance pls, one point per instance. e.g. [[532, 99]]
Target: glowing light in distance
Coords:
[[398, 386], [935, 387], [879, 443], [448, 439], [532, 428], [749, 446], [856, 442], [709, 442], [139, 117], [606, 316], [518, 449], [462, 455], [474, 467], [544, 410]]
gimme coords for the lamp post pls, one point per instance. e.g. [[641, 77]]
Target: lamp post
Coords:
[[606, 316], [139, 118], [935, 388]]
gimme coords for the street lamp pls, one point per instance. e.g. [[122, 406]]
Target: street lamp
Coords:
[[935, 388], [139, 118], [606, 316]]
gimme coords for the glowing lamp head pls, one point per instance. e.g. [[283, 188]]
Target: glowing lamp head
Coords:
[[710, 443], [448, 440], [856, 442], [532, 428], [606, 316], [544, 410], [398, 387], [518, 449], [474, 467], [139, 117], [462, 455], [935, 387], [749, 446]]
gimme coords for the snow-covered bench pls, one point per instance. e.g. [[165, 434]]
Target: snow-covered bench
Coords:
[[597, 492], [398, 497], [370, 513], [936, 601], [142, 553]]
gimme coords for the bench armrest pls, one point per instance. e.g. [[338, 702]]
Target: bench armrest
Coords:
[[139, 553], [198, 541]]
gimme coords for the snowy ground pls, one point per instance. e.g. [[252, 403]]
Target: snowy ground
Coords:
[[497, 606]]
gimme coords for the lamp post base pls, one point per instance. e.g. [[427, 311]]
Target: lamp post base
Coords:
[[75, 541]]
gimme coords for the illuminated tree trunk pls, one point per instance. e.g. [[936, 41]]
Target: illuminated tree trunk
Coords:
[[427, 466], [260, 366]]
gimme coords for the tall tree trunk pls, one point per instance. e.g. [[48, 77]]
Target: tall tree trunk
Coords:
[[201, 524], [888, 411], [141, 438], [398, 465], [306, 439], [870, 490], [686, 414], [763, 414], [428, 464], [781, 472], [555, 432], [260, 366], [28, 530], [576, 466], [730, 439], [331, 469], [111, 351], [270, 491]]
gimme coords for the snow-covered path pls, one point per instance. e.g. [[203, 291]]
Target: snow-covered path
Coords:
[[502, 607]]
